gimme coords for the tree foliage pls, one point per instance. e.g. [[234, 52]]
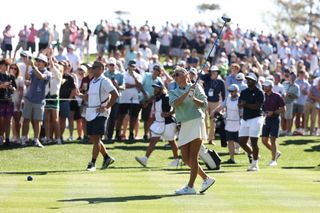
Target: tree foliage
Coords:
[[204, 7], [297, 13]]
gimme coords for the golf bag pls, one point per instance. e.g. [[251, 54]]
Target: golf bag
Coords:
[[220, 124], [211, 159]]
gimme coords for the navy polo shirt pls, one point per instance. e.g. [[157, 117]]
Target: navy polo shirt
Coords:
[[252, 97]]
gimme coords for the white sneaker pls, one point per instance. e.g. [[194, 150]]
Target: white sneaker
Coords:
[[186, 190], [70, 139], [59, 142], [23, 141], [206, 184], [282, 133], [174, 163], [278, 154], [37, 143], [273, 163], [253, 167], [91, 167], [142, 161]]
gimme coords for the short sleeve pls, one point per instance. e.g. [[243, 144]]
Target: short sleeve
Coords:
[[107, 85], [172, 97]]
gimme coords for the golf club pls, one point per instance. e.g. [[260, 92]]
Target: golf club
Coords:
[[226, 20]]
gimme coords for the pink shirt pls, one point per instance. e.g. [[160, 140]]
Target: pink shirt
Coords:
[[32, 35]]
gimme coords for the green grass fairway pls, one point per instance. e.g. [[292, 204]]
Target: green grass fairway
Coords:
[[61, 184]]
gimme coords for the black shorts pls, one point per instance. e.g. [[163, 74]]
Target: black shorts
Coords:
[[43, 46], [7, 47], [271, 127], [145, 114], [164, 50], [96, 126], [31, 45], [133, 109], [232, 136], [74, 106]]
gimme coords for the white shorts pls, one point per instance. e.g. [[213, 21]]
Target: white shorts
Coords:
[[169, 133], [251, 127]]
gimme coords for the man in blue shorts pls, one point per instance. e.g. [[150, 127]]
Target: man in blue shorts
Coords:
[[273, 106]]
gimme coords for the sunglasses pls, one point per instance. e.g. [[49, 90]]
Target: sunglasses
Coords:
[[14, 68], [112, 65], [38, 60], [232, 90]]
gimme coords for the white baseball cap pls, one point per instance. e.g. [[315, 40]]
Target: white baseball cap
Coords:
[[252, 76]]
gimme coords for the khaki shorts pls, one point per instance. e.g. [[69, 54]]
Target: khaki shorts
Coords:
[[32, 110]]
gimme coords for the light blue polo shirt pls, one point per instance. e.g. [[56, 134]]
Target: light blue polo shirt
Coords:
[[188, 110]]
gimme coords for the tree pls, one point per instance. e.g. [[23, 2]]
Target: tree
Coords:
[[204, 7], [297, 13], [120, 13]]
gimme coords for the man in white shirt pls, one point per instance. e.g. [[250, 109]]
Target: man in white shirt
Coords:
[[101, 96], [129, 99]]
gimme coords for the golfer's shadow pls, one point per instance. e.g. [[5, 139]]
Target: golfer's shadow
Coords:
[[98, 200]]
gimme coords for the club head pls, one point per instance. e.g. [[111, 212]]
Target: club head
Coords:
[[226, 19]]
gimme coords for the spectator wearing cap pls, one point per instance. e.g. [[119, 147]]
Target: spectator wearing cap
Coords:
[[231, 78], [129, 100], [61, 56], [117, 80], [311, 108], [292, 92], [84, 87], [298, 106], [273, 106], [278, 87], [25, 56], [148, 80], [163, 124], [7, 87], [232, 123], [190, 102], [77, 104], [101, 96], [193, 74], [251, 101], [215, 91], [154, 61], [34, 100], [73, 57], [67, 91], [141, 63], [241, 83], [52, 101]]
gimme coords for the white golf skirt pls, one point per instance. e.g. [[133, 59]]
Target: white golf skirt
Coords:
[[191, 130]]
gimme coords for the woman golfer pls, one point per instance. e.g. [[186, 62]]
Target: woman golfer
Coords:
[[190, 103]]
